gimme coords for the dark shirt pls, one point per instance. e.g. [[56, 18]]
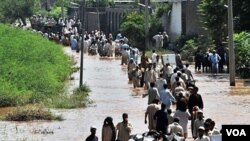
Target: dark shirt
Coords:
[[195, 100], [181, 104], [92, 138], [161, 121]]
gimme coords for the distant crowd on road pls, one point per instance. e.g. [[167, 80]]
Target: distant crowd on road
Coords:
[[68, 33], [212, 61]]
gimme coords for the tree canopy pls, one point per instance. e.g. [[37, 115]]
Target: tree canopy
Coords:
[[133, 27], [214, 16], [241, 9], [11, 10]]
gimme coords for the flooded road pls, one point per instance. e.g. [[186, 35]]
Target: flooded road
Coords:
[[113, 95]]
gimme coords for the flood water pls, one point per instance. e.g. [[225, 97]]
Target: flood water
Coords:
[[113, 95]]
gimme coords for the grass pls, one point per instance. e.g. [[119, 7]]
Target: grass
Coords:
[[32, 67], [159, 51], [78, 99], [31, 113], [35, 70]]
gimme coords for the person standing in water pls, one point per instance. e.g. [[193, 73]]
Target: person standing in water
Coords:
[[124, 128]]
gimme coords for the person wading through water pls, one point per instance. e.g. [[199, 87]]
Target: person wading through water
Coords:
[[124, 128], [108, 130]]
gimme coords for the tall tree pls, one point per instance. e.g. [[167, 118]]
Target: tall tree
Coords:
[[133, 26], [11, 10], [214, 15], [241, 9]]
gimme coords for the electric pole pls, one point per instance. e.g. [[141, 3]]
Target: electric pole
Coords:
[[82, 44], [231, 44], [146, 25]]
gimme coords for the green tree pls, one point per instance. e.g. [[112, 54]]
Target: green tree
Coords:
[[12, 10], [241, 9], [214, 15], [133, 27], [242, 51], [162, 8], [59, 3]]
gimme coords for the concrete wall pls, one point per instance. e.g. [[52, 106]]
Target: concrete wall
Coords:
[[192, 18], [109, 18], [96, 21], [165, 21], [114, 18], [176, 21]]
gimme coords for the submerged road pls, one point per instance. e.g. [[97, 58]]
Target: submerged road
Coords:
[[113, 95]]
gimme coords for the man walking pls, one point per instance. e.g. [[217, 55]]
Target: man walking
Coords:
[[166, 96], [176, 128], [150, 112], [161, 120], [124, 128], [152, 93]]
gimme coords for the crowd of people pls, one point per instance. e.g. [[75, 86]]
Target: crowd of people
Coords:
[[161, 40], [68, 33], [212, 61], [173, 97], [173, 101]]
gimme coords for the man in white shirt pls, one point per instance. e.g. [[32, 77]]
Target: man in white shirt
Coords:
[[201, 136], [153, 57], [214, 59], [175, 127], [159, 83]]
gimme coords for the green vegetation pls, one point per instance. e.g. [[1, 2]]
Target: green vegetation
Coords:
[[133, 27], [189, 44], [56, 12], [98, 3], [35, 70], [242, 50], [77, 100], [32, 68], [189, 49], [12, 10], [181, 41], [241, 9], [31, 113], [160, 52], [214, 17], [163, 8]]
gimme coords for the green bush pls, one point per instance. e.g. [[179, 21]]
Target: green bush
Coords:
[[187, 45], [133, 27], [159, 51], [78, 99], [181, 41], [31, 67], [56, 12], [242, 51], [31, 113], [188, 49], [162, 8]]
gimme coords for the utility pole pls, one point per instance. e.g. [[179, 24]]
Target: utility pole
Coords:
[[231, 44], [62, 8], [146, 25], [82, 44], [98, 18]]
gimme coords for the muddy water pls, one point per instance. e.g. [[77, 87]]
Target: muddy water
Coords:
[[113, 95]]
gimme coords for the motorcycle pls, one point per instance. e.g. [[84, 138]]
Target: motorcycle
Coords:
[[155, 136]]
